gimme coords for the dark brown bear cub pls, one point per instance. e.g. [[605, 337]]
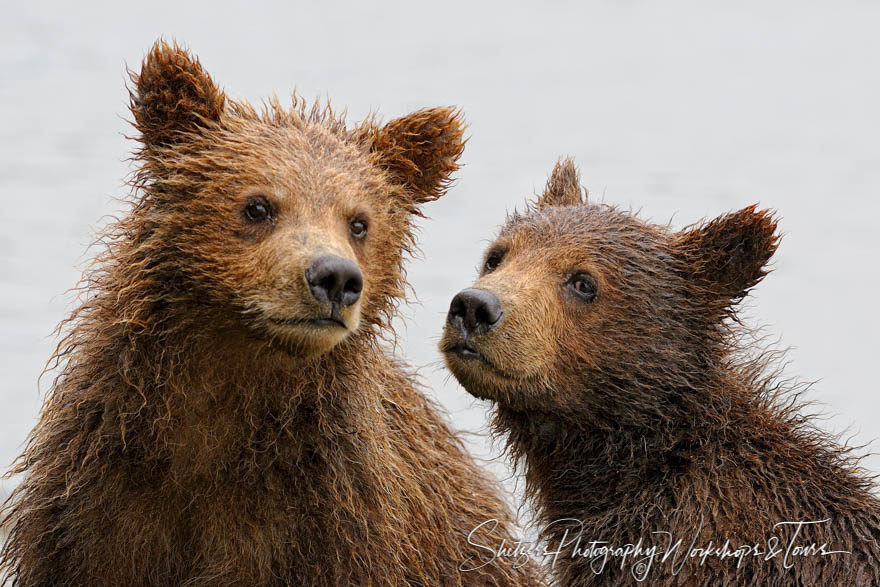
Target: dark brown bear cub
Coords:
[[658, 444], [224, 412]]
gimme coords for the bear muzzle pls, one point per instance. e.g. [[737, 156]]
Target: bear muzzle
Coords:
[[335, 281]]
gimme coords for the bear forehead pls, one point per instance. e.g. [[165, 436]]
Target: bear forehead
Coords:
[[312, 156], [584, 228], [307, 143]]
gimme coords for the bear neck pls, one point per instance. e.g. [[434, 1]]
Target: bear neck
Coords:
[[737, 445], [224, 404], [582, 466]]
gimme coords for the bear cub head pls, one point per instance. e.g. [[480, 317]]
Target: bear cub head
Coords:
[[584, 311], [279, 224]]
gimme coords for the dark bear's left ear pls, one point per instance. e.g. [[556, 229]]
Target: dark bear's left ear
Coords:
[[419, 150], [729, 254], [564, 186]]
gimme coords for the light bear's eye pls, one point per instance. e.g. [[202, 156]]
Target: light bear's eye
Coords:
[[358, 227], [257, 210]]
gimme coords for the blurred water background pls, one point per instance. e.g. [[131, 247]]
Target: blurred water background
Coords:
[[683, 110]]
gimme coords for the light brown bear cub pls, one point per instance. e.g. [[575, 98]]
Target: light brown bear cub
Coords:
[[625, 383], [224, 412]]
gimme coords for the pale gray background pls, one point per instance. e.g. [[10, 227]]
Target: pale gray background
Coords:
[[682, 110]]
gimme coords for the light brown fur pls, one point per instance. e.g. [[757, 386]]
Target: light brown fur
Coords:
[[197, 431]]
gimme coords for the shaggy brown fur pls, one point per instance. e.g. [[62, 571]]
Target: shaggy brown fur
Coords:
[[637, 402], [200, 429]]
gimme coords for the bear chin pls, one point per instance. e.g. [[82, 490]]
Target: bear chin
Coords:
[[305, 341], [478, 377]]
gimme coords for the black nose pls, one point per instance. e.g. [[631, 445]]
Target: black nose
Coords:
[[335, 280], [475, 310]]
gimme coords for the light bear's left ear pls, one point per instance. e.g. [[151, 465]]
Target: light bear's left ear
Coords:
[[173, 98], [419, 150], [728, 255]]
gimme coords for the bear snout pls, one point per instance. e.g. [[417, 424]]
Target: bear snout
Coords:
[[335, 280], [475, 311]]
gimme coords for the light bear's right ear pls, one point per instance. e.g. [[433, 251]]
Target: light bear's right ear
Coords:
[[420, 150], [173, 98], [564, 186]]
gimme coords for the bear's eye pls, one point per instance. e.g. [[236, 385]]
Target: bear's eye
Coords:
[[493, 260], [358, 227], [584, 286], [257, 210]]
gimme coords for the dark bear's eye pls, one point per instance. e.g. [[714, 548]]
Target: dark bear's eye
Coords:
[[493, 260], [257, 210], [358, 228], [584, 286]]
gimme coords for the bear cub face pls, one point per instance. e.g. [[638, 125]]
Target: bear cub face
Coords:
[[289, 227], [585, 309]]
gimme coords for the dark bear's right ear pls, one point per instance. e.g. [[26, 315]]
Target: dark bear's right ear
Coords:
[[420, 150], [564, 186], [173, 97], [729, 254]]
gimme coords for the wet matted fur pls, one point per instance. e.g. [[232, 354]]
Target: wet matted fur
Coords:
[[638, 403], [202, 428]]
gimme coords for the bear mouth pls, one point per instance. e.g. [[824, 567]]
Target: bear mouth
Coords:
[[468, 353], [328, 322]]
